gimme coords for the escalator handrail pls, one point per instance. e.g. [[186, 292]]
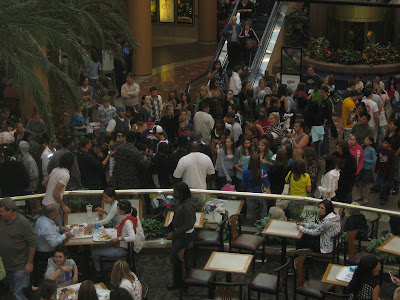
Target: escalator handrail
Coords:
[[217, 53], [265, 40]]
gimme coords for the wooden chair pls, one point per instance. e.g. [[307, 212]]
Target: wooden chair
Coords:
[[305, 287], [195, 277], [354, 255], [130, 258], [330, 257], [271, 284], [208, 238], [228, 291], [145, 290], [244, 242]]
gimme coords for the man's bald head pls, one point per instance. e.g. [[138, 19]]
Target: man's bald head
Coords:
[[234, 20], [195, 147]]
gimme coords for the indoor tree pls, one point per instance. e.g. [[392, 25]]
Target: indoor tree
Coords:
[[33, 32]]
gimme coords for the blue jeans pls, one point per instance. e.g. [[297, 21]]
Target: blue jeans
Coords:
[[325, 143], [385, 185], [179, 243], [106, 252], [18, 280]]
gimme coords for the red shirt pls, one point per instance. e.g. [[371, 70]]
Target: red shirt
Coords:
[[264, 125]]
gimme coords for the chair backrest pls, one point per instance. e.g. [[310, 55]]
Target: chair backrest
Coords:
[[335, 252], [145, 290], [375, 227], [351, 238], [282, 274], [299, 267], [222, 230], [234, 229], [226, 290]]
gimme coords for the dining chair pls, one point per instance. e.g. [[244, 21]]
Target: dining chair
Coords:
[[354, 255], [195, 277], [229, 291], [271, 284], [244, 242], [129, 257], [334, 296], [210, 238], [374, 227], [309, 288]]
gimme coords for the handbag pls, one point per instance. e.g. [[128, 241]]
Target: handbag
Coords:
[[264, 189], [286, 187], [251, 44]]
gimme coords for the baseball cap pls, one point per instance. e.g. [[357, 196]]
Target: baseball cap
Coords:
[[157, 129], [121, 108], [188, 126]]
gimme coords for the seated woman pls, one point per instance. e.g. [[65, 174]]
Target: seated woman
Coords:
[[364, 284], [87, 291], [109, 197], [125, 234], [122, 276], [319, 237], [61, 269]]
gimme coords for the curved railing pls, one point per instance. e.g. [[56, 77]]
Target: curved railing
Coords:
[[234, 195], [221, 53]]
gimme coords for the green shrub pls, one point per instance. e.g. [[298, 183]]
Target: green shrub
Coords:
[[376, 243]]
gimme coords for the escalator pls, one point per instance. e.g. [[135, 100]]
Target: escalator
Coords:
[[267, 29]]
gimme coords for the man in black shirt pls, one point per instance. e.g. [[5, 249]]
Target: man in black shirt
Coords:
[[310, 79], [245, 8]]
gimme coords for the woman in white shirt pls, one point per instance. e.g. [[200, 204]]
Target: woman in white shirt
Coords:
[[122, 276], [125, 234], [329, 181]]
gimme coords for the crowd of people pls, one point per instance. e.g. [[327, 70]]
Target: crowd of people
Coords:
[[229, 136]]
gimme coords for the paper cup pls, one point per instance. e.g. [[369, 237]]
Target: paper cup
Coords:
[[81, 230], [75, 231], [89, 209]]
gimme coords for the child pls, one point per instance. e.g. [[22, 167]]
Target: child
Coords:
[[265, 155], [385, 169], [365, 178], [357, 152]]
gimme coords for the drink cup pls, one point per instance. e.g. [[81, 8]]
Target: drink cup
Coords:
[[75, 231], [68, 276], [81, 230], [89, 209]]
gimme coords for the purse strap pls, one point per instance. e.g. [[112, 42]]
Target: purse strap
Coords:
[[290, 176]]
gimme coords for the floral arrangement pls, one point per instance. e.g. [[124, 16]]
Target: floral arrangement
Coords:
[[373, 54]]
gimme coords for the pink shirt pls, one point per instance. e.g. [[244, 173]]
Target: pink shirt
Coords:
[[358, 154]]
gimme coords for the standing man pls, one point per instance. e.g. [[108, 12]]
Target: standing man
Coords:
[[326, 108], [310, 79], [68, 145], [204, 122], [156, 104], [194, 168], [235, 84], [182, 230], [372, 110], [348, 106], [130, 92], [17, 247], [105, 113], [236, 129], [231, 33], [119, 123]]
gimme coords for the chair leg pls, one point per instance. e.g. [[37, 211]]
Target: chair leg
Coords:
[[286, 292], [258, 295], [263, 253], [254, 262], [210, 292], [381, 274]]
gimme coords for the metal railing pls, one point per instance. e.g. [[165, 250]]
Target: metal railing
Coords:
[[233, 195]]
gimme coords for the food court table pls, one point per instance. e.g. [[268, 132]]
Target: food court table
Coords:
[[330, 275], [102, 291], [233, 207], [392, 245], [199, 219], [283, 229], [229, 263]]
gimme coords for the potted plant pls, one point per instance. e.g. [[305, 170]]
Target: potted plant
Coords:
[[299, 27], [153, 228]]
